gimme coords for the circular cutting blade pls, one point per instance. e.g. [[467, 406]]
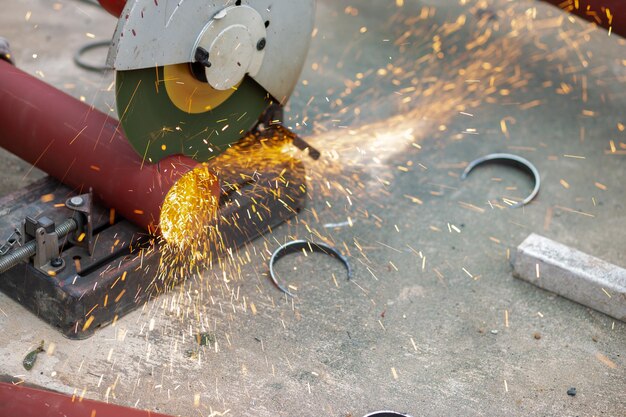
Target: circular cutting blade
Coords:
[[166, 111]]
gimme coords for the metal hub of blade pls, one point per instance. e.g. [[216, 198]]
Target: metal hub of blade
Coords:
[[189, 94], [234, 43]]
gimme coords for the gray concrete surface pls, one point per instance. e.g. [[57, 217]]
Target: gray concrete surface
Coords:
[[433, 323]]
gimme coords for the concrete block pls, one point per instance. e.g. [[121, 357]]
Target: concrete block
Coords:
[[572, 274]]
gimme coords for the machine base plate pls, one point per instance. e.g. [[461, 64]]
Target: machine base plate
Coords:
[[94, 291]]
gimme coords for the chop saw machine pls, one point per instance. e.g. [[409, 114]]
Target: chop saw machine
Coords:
[[193, 80]]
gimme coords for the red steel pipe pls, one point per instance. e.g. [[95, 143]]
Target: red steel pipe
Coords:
[[18, 400], [114, 7], [83, 148]]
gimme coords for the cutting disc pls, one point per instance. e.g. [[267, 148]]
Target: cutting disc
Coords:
[[167, 111]]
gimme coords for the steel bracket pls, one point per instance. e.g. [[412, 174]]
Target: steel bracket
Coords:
[[82, 206], [47, 253]]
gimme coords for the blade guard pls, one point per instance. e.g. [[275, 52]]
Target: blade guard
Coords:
[[158, 33]]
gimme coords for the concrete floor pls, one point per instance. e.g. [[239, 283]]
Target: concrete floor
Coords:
[[433, 323]]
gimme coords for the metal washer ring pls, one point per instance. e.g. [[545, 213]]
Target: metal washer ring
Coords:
[[297, 246], [78, 56], [515, 160], [386, 413]]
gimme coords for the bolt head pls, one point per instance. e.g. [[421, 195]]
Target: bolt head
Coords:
[[202, 57], [56, 262], [77, 201], [261, 44]]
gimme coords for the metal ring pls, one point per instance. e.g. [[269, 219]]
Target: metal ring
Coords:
[[78, 56], [297, 246], [516, 161]]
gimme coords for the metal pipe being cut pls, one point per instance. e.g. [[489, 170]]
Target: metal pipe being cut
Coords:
[[114, 7], [83, 148]]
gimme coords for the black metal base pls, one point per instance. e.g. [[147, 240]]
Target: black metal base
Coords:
[[93, 291]]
